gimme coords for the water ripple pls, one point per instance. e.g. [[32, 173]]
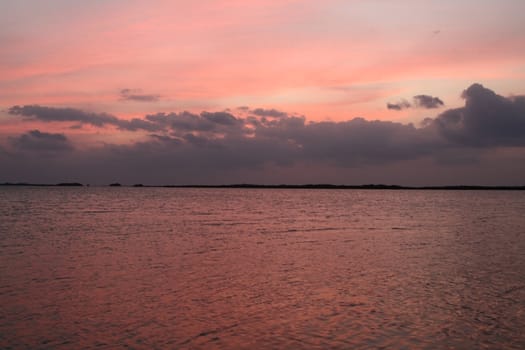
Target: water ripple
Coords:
[[266, 269]]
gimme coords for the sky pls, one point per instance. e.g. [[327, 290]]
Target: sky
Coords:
[[293, 91]]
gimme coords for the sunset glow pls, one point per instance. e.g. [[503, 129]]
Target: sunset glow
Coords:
[[329, 61]]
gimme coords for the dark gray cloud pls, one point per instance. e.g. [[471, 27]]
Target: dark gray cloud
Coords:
[[37, 141], [136, 124], [403, 104], [137, 95], [273, 113], [52, 114], [426, 101], [419, 101], [486, 120], [213, 147], [205, 122], [223, 118], [209, 123]]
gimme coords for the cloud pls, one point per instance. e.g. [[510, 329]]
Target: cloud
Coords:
[[136, 95], [426, 101], [419, 101], [37, 141], [486, 120], [223, 118], [195, 141], [52, 114], [209, 123], [183, 147], [403, 104], [261, 112]]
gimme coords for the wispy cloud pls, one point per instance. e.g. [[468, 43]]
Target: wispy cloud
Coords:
[[137, 96], [419, 101], [54, 114], [403, 104]]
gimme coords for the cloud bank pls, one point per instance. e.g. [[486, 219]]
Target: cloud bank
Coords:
[[221, 147], [38, 142]]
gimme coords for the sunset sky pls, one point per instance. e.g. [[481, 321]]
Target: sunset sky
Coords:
[[227, 91]]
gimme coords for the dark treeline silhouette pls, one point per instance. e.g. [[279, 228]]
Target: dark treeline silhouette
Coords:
[[285, 186], [61, 184], [354, 187]]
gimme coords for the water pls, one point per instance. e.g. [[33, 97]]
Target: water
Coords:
[[163, 268]]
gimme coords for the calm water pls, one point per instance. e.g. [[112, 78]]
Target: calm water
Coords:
[[224, 268]]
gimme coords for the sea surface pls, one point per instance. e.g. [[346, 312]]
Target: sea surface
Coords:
[[168, 268]]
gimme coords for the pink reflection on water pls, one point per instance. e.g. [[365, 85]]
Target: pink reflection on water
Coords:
[[167, 268]]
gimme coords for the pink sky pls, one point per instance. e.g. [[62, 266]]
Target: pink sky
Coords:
[[335, 59]]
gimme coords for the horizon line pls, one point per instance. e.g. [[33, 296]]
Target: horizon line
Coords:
[[279, 186]]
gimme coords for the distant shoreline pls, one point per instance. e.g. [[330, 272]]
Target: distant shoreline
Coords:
[[283, 186]]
